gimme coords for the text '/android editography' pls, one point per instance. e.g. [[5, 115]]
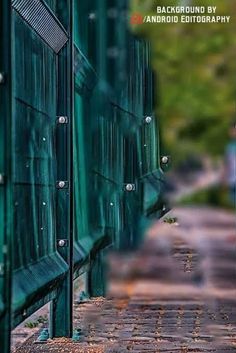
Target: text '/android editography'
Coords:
[[187, 14]]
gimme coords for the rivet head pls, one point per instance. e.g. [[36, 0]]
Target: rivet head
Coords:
[[129, 187], [62, 119], [1, 179], [148, 119], [61, 184], [1, 269], [165, 159], [2, 78], [92, 16], [61, 243]]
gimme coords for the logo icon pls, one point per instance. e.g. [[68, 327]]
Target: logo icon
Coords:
[[136, 19]]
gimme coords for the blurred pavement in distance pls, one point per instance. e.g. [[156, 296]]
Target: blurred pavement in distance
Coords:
[[176, 294]]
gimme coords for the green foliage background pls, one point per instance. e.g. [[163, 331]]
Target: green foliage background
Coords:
[[195, 66]]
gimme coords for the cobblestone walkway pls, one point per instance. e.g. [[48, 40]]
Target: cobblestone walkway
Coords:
[[176, 294]]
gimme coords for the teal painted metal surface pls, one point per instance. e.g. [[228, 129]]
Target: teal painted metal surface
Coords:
[[41, 159], [61, 307], [84, 171], [5, 177]]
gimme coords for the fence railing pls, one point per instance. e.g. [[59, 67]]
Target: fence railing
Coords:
[[80, 164]]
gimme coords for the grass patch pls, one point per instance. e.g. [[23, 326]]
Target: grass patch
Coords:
[[215, 196], [35, 323]]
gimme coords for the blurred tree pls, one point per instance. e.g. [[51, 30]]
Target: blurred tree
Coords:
[[196, 69]]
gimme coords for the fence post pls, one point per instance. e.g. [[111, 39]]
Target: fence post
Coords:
[[96, 277], [61, 320], [5, 176]]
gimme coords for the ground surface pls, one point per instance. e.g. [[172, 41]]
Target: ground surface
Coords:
[[177, 294]]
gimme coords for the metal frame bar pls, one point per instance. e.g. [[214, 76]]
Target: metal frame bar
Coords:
[[5, 169], [61, 318]]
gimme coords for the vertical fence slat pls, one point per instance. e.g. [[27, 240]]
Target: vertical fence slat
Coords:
[[5, 177]]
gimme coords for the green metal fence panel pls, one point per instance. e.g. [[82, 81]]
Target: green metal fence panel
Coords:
[[116, 81], [41, 160], [82, 158]]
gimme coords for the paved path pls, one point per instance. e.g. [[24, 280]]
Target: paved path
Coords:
[[177, 294]]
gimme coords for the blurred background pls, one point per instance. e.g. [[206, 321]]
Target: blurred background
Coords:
[[195, 68]]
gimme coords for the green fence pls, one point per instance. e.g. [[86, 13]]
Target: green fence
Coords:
[[80, 170]]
